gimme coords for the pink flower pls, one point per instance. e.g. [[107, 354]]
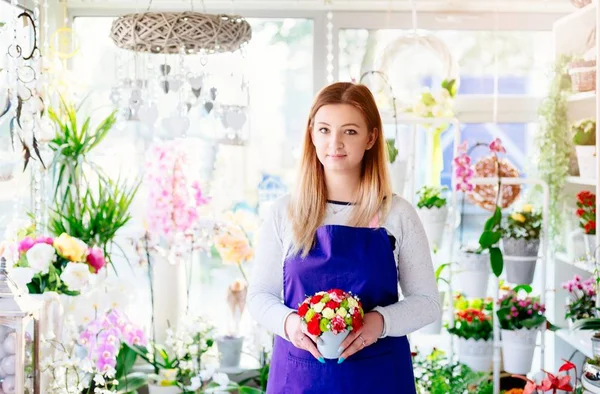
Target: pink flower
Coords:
[[463, 147], [136, 337], [95, 258], [25, 244], [44, 239], [496, 146], [338, 324]]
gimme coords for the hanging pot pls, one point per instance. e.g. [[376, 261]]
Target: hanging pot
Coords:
[[476, 354], [434, 222], [517, 349], [473, 274], [398, 175]]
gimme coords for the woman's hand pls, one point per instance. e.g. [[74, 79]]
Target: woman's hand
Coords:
[[296, 331], [367, 335]]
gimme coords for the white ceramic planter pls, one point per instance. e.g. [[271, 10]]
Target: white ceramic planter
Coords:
[[473, 274], [590, 243], [331, 343], [398, 174], [434, 222], [230, 351], [436, 327], [477, 355], [586, 160], [517, 349]]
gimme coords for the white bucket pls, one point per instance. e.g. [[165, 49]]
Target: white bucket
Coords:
[[517, 349]]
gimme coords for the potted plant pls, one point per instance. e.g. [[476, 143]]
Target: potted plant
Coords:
[[584, 138], [586, 212], [554, 383], [581, 301], [331, 315], [432, 209], [473, 327], [521, 241], [520, 317], [474, 271], [436, 327], [396, 167]]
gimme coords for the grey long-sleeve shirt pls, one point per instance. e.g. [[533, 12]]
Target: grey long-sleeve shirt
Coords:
[[419, 304]]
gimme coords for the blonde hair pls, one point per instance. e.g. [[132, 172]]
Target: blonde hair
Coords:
[[307, 205]]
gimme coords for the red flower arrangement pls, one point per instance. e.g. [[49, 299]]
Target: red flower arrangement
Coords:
[[586, 211], [552, 382], [333, 310]]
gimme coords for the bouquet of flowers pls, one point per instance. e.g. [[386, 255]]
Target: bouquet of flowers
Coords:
[[524, 224], [472, 323], [333, 311], [586, 211], [516, 312], [64, 265], [582, 298]]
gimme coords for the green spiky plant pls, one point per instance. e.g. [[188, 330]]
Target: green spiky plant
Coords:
[[87, 203]]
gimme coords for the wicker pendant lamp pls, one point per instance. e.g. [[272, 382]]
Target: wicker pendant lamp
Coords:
[[176, 32]]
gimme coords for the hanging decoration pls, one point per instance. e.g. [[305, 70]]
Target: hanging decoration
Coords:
[[436, 104]]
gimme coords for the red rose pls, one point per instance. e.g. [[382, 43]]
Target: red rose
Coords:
[[315, 299], [336, 295], [357, 322], [338, 324], [580, 212], [332, 304], [313, 325], [303, 309]]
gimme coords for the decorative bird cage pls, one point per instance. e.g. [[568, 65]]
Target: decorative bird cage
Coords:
[[19, 339]]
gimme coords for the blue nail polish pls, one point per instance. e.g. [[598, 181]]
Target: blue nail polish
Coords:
[[341, 360], [321, 360]]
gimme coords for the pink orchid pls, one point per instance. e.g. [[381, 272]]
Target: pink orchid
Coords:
[[496, 146], [462, 147]]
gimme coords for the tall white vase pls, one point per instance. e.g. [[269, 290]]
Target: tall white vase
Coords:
[[170, 295]]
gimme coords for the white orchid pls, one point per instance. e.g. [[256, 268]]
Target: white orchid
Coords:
[[40, 256]]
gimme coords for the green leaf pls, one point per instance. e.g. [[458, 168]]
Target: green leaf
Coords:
[[132, 382], [489, 238], [494, 220], [440, 269], [587, 324], [526, 288], [496, 261], [125, 360], [249, 390]]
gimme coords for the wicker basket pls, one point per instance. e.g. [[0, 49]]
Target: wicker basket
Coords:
[[580, 3], [583, 75]]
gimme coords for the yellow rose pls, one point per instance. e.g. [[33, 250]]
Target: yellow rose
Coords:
[[527, 208], [518, 217], [342, 312], [328, 313], [71, 248], [352, 303]]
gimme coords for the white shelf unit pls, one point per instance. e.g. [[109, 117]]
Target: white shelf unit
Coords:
[[573, 35]]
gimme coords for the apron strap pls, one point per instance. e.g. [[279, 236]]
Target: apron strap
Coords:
[[374, 223]]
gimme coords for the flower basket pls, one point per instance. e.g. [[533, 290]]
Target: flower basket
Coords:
[[331, 315], [517, 349], [476, 354], [583, 75], [474, 273]]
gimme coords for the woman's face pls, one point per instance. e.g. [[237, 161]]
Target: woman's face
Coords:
[[341, 137]]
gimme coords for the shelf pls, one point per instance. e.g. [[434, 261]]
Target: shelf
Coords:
[[581, 105], [575, 263], [576, 180], [571, 33], [578, 339]]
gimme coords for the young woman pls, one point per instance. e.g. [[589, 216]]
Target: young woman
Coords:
[[343, 228]]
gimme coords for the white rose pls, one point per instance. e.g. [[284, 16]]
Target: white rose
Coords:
[[328, 313], [21, 276], [76, 276], [40, 256], [318, 307]]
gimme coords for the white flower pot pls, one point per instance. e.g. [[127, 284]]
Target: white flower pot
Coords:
[[590, 244], [230, 351], [398, 175], [436, 327], [477, 355], [473, 274], [331, 343], [434, 221], [155, 389], [586, 160], [520, 258], [517, 349]]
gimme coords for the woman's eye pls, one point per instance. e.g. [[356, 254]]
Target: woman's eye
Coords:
[[351, 132], [323, 130]]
